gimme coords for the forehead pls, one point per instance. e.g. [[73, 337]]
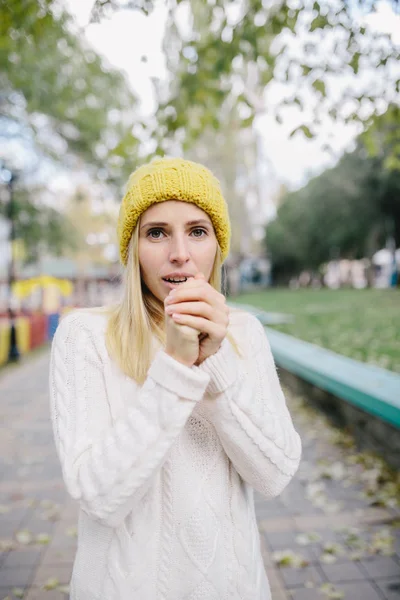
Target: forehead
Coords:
[[173, 210]]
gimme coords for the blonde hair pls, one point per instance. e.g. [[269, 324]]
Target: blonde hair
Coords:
[[139, 317]]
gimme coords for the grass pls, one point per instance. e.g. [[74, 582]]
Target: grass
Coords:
[[361, 324]]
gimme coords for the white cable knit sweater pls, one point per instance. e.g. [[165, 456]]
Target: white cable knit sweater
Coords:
[[164, 472]]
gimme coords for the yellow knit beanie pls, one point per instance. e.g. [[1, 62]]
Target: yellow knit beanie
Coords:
[[172, 179]]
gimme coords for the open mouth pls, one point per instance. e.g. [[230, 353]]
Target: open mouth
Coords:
[[175, 280]]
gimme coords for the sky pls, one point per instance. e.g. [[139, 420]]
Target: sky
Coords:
[[128, 35]]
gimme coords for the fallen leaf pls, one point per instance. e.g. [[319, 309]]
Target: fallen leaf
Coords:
[[23, 537], [6, 545], [43, 538], [330, 548], [336, 471], [382, 542], [356, 556], [64, 589], [328, 559], [72, 532], [51, 584], [303, 539], [288, 558], [330, 591]]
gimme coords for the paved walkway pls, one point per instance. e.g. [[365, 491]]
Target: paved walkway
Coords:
[[322, 538]]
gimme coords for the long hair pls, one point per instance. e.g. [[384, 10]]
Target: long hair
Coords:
[[138, 319]]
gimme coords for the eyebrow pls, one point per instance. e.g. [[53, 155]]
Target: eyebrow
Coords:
[[188, 224]]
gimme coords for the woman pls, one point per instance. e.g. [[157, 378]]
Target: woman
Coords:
[[167, 410]]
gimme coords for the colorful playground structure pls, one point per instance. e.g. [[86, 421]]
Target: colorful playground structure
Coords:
[[28, 329]]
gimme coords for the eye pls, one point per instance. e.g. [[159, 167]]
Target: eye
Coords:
[[155, 234], [199, 232]]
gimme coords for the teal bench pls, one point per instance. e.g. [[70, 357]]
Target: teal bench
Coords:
[[370, 388]]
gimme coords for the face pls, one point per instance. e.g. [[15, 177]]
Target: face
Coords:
[[176, 241]]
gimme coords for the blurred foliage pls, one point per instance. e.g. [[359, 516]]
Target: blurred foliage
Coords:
[[87, 223], [62, 101], [230, 153], [40, 227], [361, 324], [233, 50], [347, 211], [57, 91]]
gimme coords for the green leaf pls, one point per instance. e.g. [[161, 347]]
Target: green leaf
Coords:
[[319, 86], [355, 62], [306, 130], [320, 22], [43, 538], [51, 584], [247, 122], [298, 102], [288, 558]]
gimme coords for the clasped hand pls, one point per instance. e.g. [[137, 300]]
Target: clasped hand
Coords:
[[197, 305]]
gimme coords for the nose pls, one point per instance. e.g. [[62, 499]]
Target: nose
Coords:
[[179, 251]]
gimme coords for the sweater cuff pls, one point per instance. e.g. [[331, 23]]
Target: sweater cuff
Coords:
[[186, 382], [222, 368]]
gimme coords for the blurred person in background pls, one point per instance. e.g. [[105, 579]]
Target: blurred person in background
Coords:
[[167, 409]]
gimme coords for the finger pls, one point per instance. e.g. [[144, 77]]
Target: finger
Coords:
[[201, 309], [213, 330], [203, 292], [189, 284], [218, 315], [183, 328]]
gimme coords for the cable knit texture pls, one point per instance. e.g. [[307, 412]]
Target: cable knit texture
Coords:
[[164, 472]]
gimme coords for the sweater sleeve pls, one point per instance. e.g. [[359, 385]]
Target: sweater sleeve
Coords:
[[250, 414], [108, 468]]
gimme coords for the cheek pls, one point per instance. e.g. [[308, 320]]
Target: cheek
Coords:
[[146, 261], [206, 257], [151, 260]]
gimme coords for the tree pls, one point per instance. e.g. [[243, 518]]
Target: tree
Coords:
[[38, 228], [59, 100], [59, 95], [348, 211], [306, 45]]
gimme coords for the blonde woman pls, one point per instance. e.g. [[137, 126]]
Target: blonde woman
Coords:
[[167, 410]]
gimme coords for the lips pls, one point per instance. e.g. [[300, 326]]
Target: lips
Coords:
[[177, 278]]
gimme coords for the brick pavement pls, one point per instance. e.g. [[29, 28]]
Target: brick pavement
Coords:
[[320, 522]]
